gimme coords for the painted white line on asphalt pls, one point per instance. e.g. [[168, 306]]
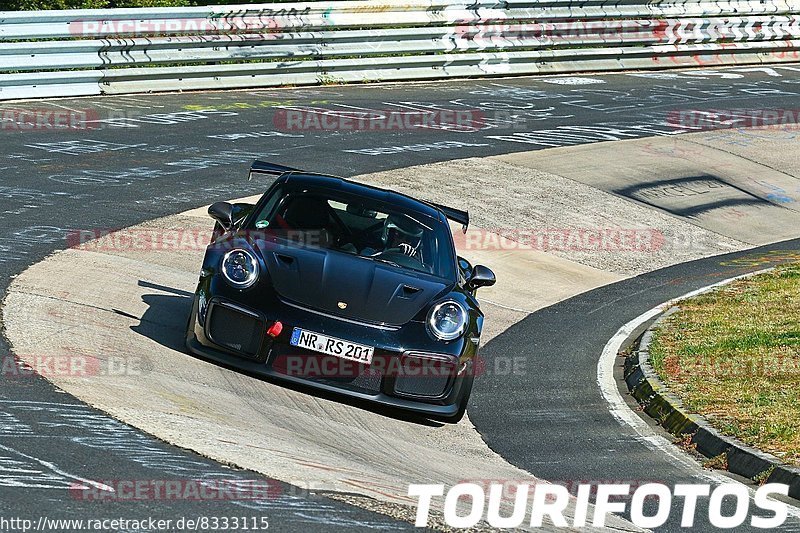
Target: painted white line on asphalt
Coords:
[[55, 469], [620, 410], [501, 306], [64, 107]]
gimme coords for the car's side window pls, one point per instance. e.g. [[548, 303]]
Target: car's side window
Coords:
[[262, 221]]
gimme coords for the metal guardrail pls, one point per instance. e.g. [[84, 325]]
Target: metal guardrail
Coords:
[[90, 52]]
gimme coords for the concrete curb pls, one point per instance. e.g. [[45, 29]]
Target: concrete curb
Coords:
[[667, 409]]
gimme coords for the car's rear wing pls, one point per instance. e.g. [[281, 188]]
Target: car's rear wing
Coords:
[[262, 167], [456, 215]]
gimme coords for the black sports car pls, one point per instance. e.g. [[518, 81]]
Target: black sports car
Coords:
[[344, 287]]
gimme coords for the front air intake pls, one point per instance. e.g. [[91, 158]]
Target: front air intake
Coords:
[[424, 376], [235, 329]]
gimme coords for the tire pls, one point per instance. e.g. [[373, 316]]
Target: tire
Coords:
[[189, 328]]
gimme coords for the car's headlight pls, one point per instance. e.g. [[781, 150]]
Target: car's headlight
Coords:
[[240, 268], [447, 320]]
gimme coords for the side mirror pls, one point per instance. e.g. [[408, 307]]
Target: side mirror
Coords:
[[240, 212], [222, 212], [481, 277]]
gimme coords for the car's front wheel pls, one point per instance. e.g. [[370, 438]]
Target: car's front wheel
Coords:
[[190, 327]]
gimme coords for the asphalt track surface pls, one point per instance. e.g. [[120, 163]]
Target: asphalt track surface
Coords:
[[552, 419], [143, 161]]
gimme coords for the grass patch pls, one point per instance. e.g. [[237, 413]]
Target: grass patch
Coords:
[[762, 478], [719, 462], [733, 356]]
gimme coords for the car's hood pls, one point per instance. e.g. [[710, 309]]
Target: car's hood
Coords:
[[348, 286]]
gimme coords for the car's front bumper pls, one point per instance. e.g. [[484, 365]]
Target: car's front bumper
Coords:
[[268, 356]]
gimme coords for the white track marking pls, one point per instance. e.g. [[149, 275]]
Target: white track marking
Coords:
[[620, 410], [64, 107], [55, 469], [490, 302]]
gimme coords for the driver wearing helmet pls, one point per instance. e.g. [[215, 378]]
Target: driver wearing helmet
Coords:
[[403, 233]]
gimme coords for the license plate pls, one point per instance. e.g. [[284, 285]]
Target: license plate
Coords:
[[332, 346]]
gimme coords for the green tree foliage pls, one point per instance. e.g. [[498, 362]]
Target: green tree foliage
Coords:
[[37, 5], [154, 3]]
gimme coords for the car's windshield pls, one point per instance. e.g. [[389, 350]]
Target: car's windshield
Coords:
[[359, 226]]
